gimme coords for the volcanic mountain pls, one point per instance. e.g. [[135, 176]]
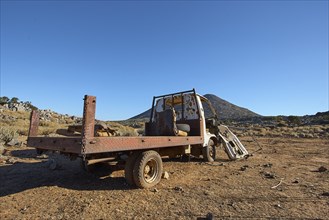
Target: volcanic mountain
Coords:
[[223, 108]]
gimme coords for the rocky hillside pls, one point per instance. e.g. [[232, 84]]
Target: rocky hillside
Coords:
[[15, 120], [227, 110], [224, 109]]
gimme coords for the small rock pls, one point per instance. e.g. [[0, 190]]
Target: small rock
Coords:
[[13, 142], [10, 161], [278, 205], [165, 175], [179, 188], [155, 190], [268, 165], [42, 156], [24, 209], [295, 181], [3, 159], [269, 175], [118, 210], [244, 168], [232, 204], [322, 169], [325, 194]]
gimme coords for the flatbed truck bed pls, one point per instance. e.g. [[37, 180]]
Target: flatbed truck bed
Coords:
[[89, 144]]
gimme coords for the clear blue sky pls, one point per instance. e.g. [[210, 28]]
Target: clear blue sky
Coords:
[[268, 56]]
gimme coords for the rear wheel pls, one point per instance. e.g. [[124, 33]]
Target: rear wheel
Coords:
[[209, 152], [129, 167], [147, 169]]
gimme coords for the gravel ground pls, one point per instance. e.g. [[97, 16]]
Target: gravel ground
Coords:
[[286, 178]]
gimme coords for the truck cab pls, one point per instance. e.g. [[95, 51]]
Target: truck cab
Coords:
[[190, 114]]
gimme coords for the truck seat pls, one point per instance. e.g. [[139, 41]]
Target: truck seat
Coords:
[[166, 124]]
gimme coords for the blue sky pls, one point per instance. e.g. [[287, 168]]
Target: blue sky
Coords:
[[268, 56]]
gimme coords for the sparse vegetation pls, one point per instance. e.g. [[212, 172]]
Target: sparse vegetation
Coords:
[[7, 134], [4, 100], [122, 130], [294, 120], [310, 131], [314, 126], [14, 100]]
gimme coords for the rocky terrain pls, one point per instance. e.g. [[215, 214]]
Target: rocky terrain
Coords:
[[286, 176]]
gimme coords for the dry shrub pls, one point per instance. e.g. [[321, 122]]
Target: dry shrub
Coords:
[[127, 131], [23, 132], [283, 129], [294, 134], [140, 131], [7, 134], [317, 129], [48, 131], [121, 129], [309, 136], [258, 129], [44, 123]]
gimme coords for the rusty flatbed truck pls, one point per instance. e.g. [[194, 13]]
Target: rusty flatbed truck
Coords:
[[177, 127]]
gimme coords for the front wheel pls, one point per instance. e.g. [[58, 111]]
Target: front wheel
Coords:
[[148, 169], [209, 152]]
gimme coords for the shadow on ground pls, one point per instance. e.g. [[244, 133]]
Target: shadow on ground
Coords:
[[32, 171], [22, 176]]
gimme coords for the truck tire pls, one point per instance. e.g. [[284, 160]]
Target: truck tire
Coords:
[[129, 167], [209, 152], [148, 169]]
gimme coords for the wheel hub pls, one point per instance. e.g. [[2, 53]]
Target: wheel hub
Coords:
[[150, 171]]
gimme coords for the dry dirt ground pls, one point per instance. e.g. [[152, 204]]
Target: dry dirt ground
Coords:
[[282, 180]]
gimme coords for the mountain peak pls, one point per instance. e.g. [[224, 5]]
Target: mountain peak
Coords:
[[227, 110], [223, 108]]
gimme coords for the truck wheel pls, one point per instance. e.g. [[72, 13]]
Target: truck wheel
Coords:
[[147, 169], [209, 152], [129, 167]]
